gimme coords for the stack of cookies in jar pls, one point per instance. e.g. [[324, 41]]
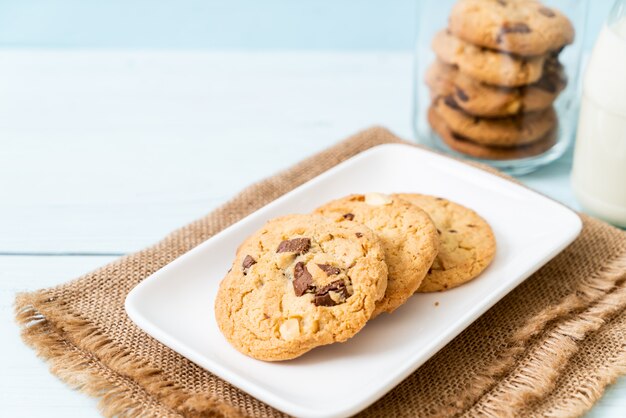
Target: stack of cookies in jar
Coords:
[[496, 77]]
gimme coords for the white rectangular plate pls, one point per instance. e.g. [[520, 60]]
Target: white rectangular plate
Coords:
[[175, 304]]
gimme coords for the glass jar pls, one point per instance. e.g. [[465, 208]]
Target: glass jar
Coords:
[[599, 172], [497, 81]]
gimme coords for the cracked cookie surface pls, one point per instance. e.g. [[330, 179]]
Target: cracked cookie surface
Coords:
[[407, 234], [503, 132], [467, 243], [480, 99], [466, 146], [486, 65], [299, 282], [524, 27]]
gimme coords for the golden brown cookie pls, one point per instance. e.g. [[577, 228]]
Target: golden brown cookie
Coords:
[[467, 244], [407, 234], [503, 132], [488, 66], [468, 147], [480, 99], [523, 27], [299, 282]]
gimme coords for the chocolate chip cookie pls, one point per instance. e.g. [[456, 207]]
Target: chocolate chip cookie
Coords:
[[407, 234], [480, 99], [487, 65], [467, 244], [523, 27], [299, 282], [504, 132], [466, 146]]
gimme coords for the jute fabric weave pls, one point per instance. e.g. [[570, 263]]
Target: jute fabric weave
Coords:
[[549, 348]]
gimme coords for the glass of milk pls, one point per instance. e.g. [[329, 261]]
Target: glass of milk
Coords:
[[599, 173]]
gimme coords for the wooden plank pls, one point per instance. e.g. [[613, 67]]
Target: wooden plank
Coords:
[[27, 389], [108, 151]]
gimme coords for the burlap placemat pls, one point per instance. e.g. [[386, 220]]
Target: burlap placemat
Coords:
[[547, 349]]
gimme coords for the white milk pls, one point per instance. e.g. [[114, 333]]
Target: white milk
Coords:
[[599, 174]]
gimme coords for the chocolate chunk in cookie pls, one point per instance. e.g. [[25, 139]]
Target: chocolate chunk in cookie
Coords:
[[332, 294], [302, 280], [247, 263], [461, 94], [512, 27], [546, 12], [330, 270], [296, 245]]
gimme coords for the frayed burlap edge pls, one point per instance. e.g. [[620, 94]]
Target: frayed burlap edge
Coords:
[[84, 358], [549, 340], [589, 392], [597, 301]]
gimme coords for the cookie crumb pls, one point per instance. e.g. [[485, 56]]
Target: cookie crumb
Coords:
[[436, 303]]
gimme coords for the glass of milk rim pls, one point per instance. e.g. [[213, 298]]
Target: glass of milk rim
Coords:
[[599, 172]]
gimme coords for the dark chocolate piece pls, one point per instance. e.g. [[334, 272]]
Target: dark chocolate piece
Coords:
[[460, 93], [296, 245], [323, 298], [450, 102], [547, 12], [358, 234], [329, 270], [512, 27], [248, 262], [348, 216], [548, 82], [302, 280]]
